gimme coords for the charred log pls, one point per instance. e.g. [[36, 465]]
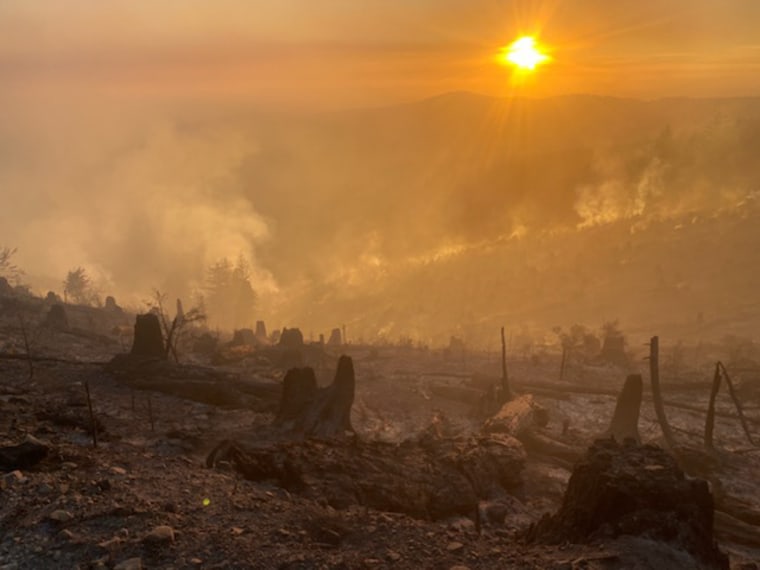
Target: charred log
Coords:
[[430, 478]]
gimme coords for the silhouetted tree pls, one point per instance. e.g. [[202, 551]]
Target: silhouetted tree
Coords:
[[78, 288], [230, 298], [8, 269]]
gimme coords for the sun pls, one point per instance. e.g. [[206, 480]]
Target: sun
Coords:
[[524, 53]]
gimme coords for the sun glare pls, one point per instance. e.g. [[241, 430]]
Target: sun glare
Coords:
[[524, 53]]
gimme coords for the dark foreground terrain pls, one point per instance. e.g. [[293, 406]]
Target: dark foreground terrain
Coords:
[[144, 498]]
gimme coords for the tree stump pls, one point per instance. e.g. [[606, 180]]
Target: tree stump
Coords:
[[634, 490], [625, 420], [244, 337], [324, 412], [261, 330], [298, 390], [291, 338], [613, 350], [148, 341], [56, 318], [336, 339]]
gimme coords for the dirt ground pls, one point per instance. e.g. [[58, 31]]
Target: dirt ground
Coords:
[[144, 498]]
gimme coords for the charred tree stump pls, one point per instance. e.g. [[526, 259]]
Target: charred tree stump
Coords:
[[324, 412], [625, 420], [634, 490], [149, 341], [56, 318], [298, 390]]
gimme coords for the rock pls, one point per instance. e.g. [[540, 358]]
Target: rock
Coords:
[[14, 478], [393, 555], [638, 491], [118, 470], [66, 534], [454, 546], [129, 564], [60, 516], [22, 456], [160, 535]]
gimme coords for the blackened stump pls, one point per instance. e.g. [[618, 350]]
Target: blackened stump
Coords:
[[149, 341]]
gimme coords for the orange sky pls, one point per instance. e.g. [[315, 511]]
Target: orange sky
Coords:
[[333, 53]]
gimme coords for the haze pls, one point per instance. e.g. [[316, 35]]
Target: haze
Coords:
[[379, 169]]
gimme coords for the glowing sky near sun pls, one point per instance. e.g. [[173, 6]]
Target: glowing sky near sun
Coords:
[[336, 53]]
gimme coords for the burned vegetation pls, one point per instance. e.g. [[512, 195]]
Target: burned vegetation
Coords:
[[269, 451]]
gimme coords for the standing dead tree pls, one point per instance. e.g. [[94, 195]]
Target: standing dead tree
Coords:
[[506, 392], [720, 373], [659, 407], [174, 330]]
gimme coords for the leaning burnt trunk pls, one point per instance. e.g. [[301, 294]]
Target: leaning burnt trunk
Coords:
[[323, 412], [149, 341]]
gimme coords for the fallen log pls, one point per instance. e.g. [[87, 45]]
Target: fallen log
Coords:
[[197, 383], [428, 478]]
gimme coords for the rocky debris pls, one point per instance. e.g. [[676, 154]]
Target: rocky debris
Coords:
[[162, 534], [429, 478], [22, 456], [129, 564], [634, 490], [60, 516], [67, 415]]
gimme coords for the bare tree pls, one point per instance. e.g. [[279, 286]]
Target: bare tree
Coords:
[[8, 269], [175, 330]]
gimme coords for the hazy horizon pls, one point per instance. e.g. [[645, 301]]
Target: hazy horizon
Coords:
[[377, 165]]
